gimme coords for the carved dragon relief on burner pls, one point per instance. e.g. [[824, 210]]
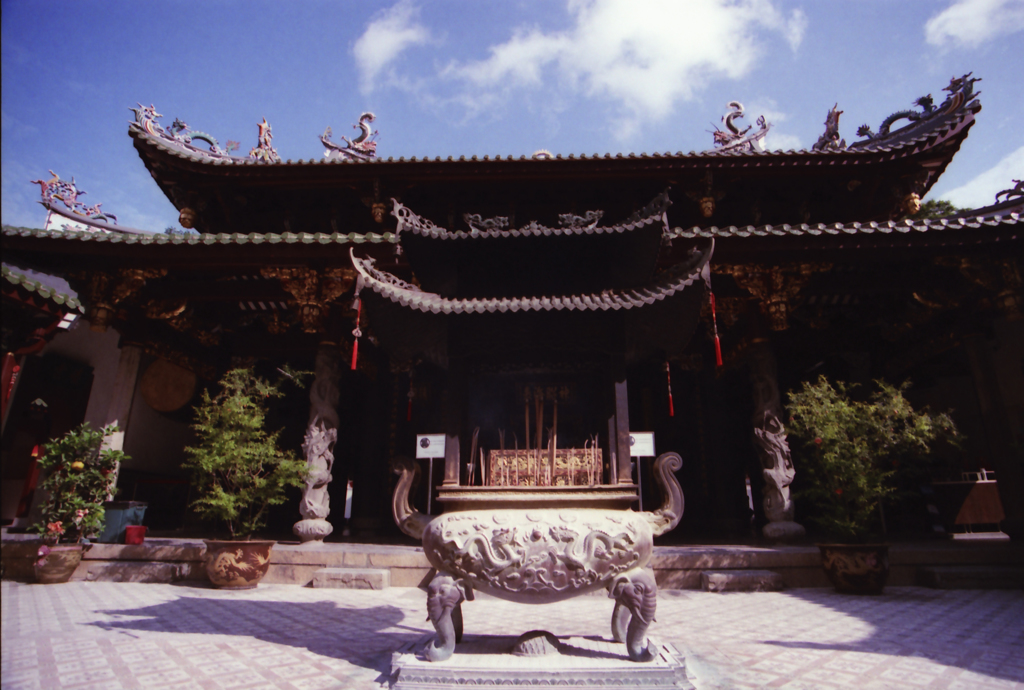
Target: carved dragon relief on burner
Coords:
[[541, 553]]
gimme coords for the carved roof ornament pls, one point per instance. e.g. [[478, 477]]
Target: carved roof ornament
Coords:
[[68, 193], [264, 151], [706, 197], [477, 224], [830, 140], [1003, 276], [179, 133], [1015, 192], [734, 139], [176, 314], [313, 291], [775, 287], [104, 291], [961, 92], [362, 148], [588, 221], [499, 226]]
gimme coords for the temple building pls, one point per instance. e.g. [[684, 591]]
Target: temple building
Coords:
[[536, 311]]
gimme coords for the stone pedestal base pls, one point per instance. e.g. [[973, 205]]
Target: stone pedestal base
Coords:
[[578, 662], [312, 531], [783, 531]]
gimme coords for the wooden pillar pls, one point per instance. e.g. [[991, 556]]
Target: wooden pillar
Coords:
[[613, 452], [454, 410], [120, 406], [1009, 478], [625, 471]]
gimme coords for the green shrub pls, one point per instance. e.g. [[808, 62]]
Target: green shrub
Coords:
[[850, 452], [237, 467]]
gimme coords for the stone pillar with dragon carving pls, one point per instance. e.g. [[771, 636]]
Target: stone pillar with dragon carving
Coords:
[[321, 435], [772, 445]]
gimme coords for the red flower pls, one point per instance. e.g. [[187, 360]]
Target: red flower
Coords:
[[817, 441], [839, 492]]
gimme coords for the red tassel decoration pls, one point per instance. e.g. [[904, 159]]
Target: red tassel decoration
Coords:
[[356, 334], [714, 323], [668, 380]]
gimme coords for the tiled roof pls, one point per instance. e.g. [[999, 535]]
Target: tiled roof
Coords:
[[802, 229], [906, 140], [15, 277], [665, 285], [204, 239], [888, 227]]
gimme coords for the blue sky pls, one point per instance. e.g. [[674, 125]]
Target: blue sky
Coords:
[[476, 77]]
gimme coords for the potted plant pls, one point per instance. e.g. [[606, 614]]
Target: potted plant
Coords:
[[80, 477], [850, 454], [239, 471]]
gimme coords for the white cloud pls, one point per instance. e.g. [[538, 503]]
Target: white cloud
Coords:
[[969, 23], [777, 141], [643, 56], [385, 38], [981, 191]]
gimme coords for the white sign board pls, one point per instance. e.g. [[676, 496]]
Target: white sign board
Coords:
[[641, 444], [430, 446]]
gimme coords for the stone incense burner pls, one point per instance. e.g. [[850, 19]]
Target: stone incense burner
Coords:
[[543, 544]]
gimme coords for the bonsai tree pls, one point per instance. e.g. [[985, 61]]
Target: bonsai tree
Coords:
[[851, 452], [80, 476], [237, 467]]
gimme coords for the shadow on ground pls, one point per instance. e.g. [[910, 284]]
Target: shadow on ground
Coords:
[[976, 630], [325, 628]]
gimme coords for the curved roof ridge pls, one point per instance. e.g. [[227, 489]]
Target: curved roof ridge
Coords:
[[951, 223], [941, 122], [205, 238], [676, 279], [653, 212]]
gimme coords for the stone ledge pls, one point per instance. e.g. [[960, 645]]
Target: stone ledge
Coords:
[[351, 578], [971, 577], [138, 571], [741, 581]]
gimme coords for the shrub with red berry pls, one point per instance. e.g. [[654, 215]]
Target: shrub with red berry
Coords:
[[850, 451], [79, 478]]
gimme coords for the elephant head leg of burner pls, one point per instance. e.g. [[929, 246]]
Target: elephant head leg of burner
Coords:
[[445, 595], [636, 600]]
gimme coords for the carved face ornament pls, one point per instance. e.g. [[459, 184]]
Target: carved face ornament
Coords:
[[912, 203]]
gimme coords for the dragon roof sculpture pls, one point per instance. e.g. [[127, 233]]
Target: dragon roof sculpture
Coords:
[[961, 94], [68, 193], [180, 134], [737, 140], [362, 148]]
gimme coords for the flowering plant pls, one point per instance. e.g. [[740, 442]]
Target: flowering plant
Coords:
[[850, 452], [80, 477]]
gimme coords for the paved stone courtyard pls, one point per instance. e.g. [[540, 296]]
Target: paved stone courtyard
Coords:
[[123, 635]]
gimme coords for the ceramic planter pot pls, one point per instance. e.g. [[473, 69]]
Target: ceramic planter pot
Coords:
[[856, 568], [237, 564], [55, 564]]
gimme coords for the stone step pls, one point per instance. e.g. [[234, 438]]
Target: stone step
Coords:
[[352, 578], [740, 581], [972, 576]]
